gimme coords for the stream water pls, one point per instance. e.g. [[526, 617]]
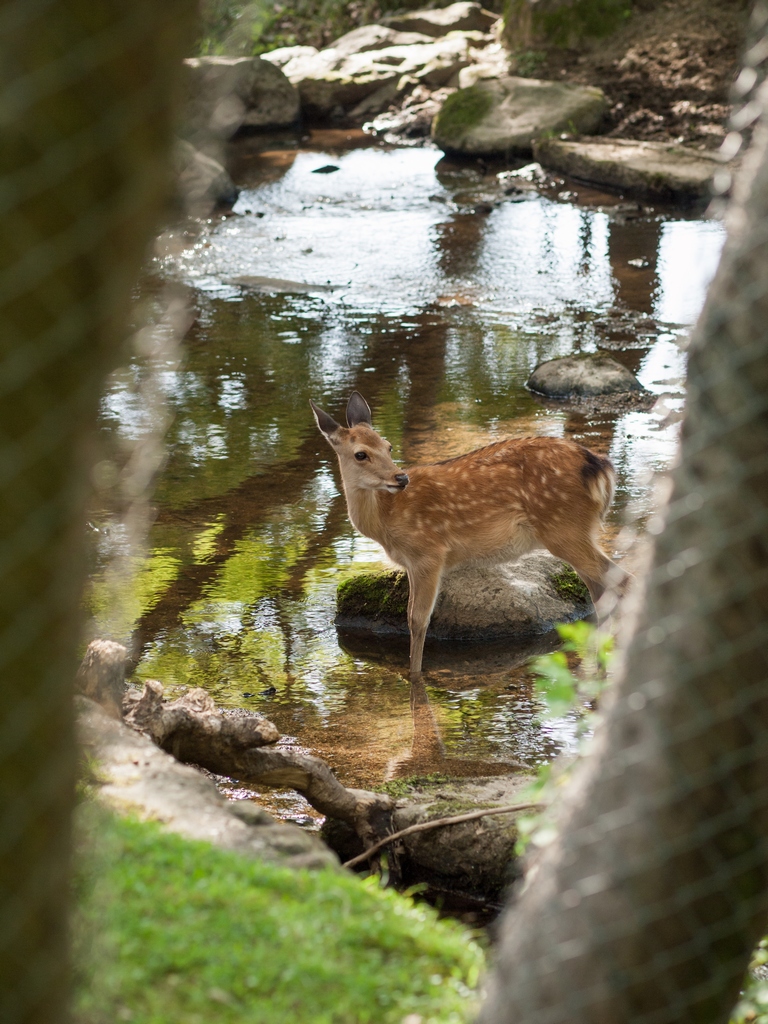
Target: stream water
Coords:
[[423, 284]]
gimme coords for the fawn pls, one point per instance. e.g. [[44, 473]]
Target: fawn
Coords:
[[489, 506]]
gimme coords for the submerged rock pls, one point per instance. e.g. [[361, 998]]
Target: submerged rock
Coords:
[[583, 376], [462, 17], [523, 598], [653, 170], [506, 115], [204, 185], [224, 94]]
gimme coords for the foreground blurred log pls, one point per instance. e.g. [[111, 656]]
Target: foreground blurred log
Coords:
[[87, 108]]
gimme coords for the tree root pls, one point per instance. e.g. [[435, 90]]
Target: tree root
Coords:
[[194, 731], [425, 826]]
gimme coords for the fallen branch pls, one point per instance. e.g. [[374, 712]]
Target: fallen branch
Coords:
[[425, 826]]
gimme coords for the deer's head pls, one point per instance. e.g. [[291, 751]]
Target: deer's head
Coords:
[[365, 457]]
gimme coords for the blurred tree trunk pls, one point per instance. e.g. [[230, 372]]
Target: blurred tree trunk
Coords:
[[649, 901], [86, 95]]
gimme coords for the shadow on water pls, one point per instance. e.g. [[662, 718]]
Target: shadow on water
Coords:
[[422, 284]]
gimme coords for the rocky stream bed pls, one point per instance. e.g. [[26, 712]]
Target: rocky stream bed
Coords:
[[469, 300]]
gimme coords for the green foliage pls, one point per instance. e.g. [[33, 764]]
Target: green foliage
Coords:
[[174, 930], [462, 111], [557, 684], [569, 22], [241, 28], [752, 1008], [564, 690], [529, 62]]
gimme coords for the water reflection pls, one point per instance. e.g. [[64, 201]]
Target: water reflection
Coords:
[[444, 296]]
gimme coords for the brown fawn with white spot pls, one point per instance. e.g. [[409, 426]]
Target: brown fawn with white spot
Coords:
[[490, 506]]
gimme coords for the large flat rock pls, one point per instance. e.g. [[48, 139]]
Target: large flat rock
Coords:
[[331, 80], [650, 170], [523, 598], [224, 94], [140, 779], [507, 115]]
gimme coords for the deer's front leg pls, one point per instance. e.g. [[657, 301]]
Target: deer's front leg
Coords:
[[424, 584]]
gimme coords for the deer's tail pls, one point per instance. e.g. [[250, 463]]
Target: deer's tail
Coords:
[[599, 478]]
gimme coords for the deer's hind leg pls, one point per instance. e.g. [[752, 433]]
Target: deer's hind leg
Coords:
[[597, 570]]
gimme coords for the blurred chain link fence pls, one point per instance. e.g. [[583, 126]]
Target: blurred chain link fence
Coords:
[[86, 105], [647, 904]]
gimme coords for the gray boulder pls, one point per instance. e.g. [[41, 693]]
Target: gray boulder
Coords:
[[586, 375], [523, 598], [461, 17], [202, 183], [224, 94], [649, 170], [507, 115]]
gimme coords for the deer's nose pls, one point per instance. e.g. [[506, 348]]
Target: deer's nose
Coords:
[[402, 479]]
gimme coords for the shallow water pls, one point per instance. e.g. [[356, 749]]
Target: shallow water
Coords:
[[420, 283]]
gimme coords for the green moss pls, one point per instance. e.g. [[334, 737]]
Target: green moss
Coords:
[[398, 788], [570, 585], [180, 931], [374, 595], [462, 111]]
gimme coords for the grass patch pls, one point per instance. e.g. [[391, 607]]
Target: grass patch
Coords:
[[170, 930], [461, 111]]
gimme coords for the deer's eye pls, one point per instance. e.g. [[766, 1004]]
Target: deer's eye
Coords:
[[390, 449], [361, 456]]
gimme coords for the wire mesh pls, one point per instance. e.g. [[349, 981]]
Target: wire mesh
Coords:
[[646, 906]]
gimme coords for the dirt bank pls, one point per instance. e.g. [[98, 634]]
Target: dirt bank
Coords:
[[667, 71]]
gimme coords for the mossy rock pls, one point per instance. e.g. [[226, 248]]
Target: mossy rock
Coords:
[[522, 599], [462, 111], [376, 598], [505, 116]]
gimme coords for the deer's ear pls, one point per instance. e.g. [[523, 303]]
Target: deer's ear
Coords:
[[358, 410], [327, 424]]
